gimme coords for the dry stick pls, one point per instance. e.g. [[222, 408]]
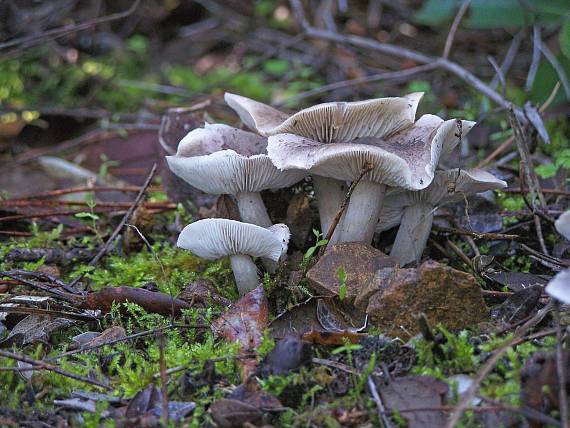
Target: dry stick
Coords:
[[537, 198], [545, 191], [561, 370], [119, 227], [47, 312], [379, 404], [86, 189], [401, 52], [63, 295], [536, 42], [44, 366], [454, 27], [366, 169], [56, 33], [388, 75], [486, 369], [477, 235], [58, 203], [163, 379]]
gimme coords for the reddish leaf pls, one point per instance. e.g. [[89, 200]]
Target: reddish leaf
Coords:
[[332, 337]]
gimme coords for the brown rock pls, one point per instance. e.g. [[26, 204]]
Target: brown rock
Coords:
[[360, 262], [445, 295]]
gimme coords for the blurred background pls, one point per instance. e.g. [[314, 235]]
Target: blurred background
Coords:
[[86, 83]]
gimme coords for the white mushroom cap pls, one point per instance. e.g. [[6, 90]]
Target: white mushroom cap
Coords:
[[215, 238], [331, 122], [447, 186], [562, 225], [219, 159], [559, 286]]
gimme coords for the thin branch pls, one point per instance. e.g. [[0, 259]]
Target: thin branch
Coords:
[[56, 33], [389, 75], [454, 27], [558, 68], [401, 52], [477, 235], [40, 365], [536, 42], [378, 401], [120, 226]]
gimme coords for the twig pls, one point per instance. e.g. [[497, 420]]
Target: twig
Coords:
[[536, 42], [477, 235], [41, 365], [558, 68], [56, 33], [46, 312], [561, 370], [454, 27], [543, 190], [488, 366], [163, 379], [378, 401], [365, 170], [401, 52], [63, 295], [120, 226], [460, 253], [388, 75], [509, 57]]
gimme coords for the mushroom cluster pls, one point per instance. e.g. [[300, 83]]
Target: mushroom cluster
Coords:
[[378, 142]]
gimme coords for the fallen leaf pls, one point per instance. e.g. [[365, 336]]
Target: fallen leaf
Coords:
[[289, 353], [515, 281], [416, 392], [332, 337], [34, 328], [229, 413], [519, 305], [149, 402], [201, 293]]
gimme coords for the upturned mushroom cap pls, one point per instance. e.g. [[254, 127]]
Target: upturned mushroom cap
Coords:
[[408, 159], [219, 159], [562, 224], [447, 186], [215, 238], [559, 286], [331, 122]]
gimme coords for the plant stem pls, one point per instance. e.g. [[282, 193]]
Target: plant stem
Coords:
[[245, 273], [413, 233], [361, 217], [252, 209]]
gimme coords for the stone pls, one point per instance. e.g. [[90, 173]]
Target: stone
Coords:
[[445, 295], [360, 262]]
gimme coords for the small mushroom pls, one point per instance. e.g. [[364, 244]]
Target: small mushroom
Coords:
[[219, 159], [559, 286], [414, 209], [407, 159], [336, 122], [212, 239]]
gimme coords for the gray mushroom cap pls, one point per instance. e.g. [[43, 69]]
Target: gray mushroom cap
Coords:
[[331, 122], [407, 159], [215, 238], [447, 186], [559, 286], [219, 159]]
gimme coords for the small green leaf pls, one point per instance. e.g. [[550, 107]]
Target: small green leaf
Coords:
[[546, 171], [342, 289], [90, 216]]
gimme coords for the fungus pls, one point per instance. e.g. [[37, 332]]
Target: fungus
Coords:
[[219, 159], [559, 286], [335, 122], [414, 209], [407, 159], [212, 239]]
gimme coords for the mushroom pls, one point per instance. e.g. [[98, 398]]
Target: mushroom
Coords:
[[414, 209], [219, 159], [212, 239], [336, 122], [407, 159], [559, 286]]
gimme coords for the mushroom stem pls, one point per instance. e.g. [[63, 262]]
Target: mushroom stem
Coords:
[[413, 233], [252, 209], [330, 193], [245, 273], [361, 216]]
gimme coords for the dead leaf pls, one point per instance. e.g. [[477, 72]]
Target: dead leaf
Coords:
[[519, 305], [416, 392], [202, 293], [148, 402], [289, 353], [34, 328], [245, 321], [108, 335], [229, 413], [332, 337], [298, 219], [515, 281]]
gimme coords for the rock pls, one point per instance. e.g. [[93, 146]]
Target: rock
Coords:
[[445, 295], [360, 262]]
